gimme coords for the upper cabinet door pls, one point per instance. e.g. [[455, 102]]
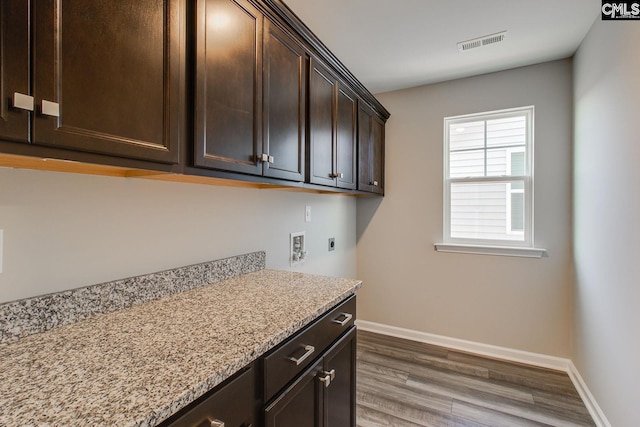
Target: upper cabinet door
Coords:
[[285, 71], [228, 86], [109, 76], [322, 132], [332, 129], [370, 150], [346, 138], [377, 156], [15, 71]]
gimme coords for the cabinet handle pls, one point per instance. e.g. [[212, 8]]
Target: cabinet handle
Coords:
[[326, 380], [374, 183], [50, 108], [337, 175], [217, 423], [265, 158], [22, 101], [331, 373], [347, 317], [309, 349]]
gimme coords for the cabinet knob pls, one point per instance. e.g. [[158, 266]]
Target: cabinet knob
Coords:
[[331, 373], [337, 175], [22, 101], [217, 423], [374, 183], [265, 158], [49, 108], [326, 380]]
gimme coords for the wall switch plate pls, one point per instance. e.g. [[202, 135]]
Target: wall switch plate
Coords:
[[332, 244], [298, 252], [307, 214]]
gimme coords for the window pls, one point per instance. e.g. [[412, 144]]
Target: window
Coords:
[[488, 179]]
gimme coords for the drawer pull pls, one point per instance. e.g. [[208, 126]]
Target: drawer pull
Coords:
[[217, 423], [309, 349], [347, 317]]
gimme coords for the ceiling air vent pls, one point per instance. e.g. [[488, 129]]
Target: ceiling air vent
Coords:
[[481, 41]]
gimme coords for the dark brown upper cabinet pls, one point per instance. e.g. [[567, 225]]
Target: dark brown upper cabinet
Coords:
[[203, 88], [228, 85], [250, 93], [332, 129], [285, 77], [109, 79], [15, 71], [370, 150]]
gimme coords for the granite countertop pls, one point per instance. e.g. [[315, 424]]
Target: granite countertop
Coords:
[[139, 365]]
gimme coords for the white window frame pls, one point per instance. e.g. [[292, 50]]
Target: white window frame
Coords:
[[511, 191], [492, 246]]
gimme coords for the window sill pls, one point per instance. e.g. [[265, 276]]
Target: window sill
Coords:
[[490, 250]]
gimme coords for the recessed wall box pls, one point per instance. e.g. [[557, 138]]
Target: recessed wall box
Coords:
[[298, 251]]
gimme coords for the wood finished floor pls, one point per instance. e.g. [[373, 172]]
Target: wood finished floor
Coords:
[[406, 383]]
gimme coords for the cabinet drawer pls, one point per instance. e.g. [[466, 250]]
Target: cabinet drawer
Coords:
[[233, 404], [288, 360]]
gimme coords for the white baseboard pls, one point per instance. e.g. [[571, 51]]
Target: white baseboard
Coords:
[[589, 401], [512, 355]]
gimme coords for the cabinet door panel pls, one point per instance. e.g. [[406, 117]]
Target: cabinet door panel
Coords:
[[300, 405], [364, 148], [115, 71], [340, 396], [370, 151], [322, 89], [14, 68], [377, 155], [228, 85], [346, 139], [285, 104]]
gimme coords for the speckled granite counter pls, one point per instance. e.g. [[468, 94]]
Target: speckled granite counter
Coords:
[[139, 365]]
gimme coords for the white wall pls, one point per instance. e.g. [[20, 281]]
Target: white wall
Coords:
[[63, 231], [607, 210], [512, 302]]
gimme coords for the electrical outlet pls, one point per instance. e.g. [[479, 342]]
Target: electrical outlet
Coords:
[[307, 214], [332, 244], [298, 252]]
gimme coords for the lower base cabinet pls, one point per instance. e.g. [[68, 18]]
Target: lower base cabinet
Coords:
[[307, 381], [232, 404], [324, 395]]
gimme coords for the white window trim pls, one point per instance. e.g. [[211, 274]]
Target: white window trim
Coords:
[[510, 191], [491, 247], [513, 251]]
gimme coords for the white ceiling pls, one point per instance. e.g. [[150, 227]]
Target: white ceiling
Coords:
[[393, 44]]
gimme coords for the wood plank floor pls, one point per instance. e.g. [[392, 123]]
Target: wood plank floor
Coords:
[[406, 383]]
